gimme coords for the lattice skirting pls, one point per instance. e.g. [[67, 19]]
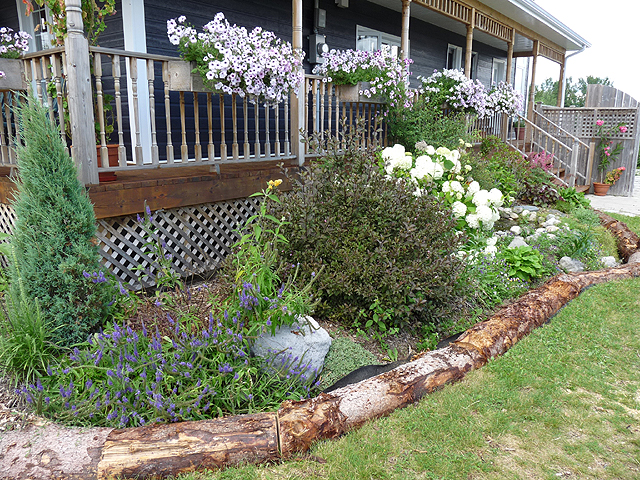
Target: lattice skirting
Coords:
[[197, 237]]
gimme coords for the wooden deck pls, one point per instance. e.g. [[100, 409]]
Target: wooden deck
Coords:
[[164, 188]]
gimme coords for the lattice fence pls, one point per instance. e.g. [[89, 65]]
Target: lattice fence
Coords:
[[197, 237]]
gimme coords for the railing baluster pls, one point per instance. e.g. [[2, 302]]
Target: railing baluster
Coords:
[[234, 124], [46, 74], [38, 78], [267, 141], [314, 112], [184, 148], [330, 104], [4, 139], [103, 160], [211, 150], [196, 125], [256, 145], [245, 116], [322, 88], [306, 90], [167, 110], [155, 157], [57, 74], [122, 151], [223, 141], [133, 72], [277, 144], [287, 143]]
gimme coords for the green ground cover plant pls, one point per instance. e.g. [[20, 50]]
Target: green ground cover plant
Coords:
[[563, 402]]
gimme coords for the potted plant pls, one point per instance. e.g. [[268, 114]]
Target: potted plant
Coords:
[[362, 76], [232, 60], [12, 46], [519, 128], [607, 153]]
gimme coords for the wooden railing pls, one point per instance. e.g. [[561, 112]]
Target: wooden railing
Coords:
[[572, 159], [146, 118]]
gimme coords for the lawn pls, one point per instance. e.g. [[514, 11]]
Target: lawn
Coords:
[[562, 403]]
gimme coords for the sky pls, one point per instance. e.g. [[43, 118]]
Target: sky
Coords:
[[612, 27]]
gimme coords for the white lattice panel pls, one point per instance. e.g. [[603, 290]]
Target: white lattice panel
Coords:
[[197, 237]]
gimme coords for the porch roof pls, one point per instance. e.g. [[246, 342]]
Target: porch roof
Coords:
[[525, 13]]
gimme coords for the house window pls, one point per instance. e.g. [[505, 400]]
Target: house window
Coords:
[[454, 58], [474, 65], [499, 71], [36, 25], [371, 40]]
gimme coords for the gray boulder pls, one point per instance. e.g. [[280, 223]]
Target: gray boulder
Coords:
[[517, 242], [304, 343], [570, 265], [635, 258], [609, 262]]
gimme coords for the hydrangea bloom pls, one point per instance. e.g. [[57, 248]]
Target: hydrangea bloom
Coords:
[[232, 60], [396, 157]]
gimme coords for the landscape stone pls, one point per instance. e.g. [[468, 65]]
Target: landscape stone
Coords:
[[304, 339], [531, 208], [570, 265], [518, 209], [517, 242], [635, 258], [551, 229], [609, 262]]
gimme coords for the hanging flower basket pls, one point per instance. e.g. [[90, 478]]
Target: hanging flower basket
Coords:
[[13, 78], [351, 93]]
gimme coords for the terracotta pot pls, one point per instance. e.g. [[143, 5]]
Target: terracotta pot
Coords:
[[112, 150], [601, 189], [520, 133]]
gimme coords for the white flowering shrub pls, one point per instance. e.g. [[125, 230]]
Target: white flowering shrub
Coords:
[[387, 74], [441, 172], [256, 64], [504, 99]]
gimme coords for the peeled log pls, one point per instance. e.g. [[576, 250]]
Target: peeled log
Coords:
[[628, 242]]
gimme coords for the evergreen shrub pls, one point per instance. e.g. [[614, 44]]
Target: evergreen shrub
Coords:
[[378, 242], [54, 235]]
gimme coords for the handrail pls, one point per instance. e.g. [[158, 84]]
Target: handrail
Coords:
[[42, 53], [128, 53], [560, 129], [544, 131]]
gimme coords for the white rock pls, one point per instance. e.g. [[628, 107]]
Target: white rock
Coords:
[[570, 265], [551, 229], [609, 262], [516, 229], [305, 340], [635, 258], [517, 242], [551, 236], [551, 222], [540, 230]]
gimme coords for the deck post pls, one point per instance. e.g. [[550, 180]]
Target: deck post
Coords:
[[561, 82], [469, 47], [532, 86], [80, 97], [404, 42], [297, 102]]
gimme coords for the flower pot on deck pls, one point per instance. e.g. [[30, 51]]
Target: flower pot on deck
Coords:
[[600, 189], [13, 79], [351, 93], [112, 152], [183, 79], [520, 133]]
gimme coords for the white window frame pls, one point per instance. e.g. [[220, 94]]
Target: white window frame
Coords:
[[26, 25], [393, 41], [500, 66], [457, 57]]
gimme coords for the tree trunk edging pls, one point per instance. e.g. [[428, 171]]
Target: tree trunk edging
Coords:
[[53, 451]]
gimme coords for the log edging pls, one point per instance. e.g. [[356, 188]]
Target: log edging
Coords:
[[53, 451]]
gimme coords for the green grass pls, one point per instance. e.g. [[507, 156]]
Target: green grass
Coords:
[[632, 222], [562, 403]]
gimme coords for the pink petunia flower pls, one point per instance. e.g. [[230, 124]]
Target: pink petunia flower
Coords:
[[599, 122], [623, 129]]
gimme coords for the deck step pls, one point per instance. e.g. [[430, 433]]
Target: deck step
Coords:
[[583, 188]]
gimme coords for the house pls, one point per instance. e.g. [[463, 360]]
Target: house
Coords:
[[197, 155]]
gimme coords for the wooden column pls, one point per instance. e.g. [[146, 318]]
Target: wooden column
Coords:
[[297, 102], [406, 15], [80, 97], [561, 82], [510, 56], [532, 86], [469, 48]]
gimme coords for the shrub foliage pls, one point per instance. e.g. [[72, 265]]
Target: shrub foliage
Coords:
[[54, 233], [378, 242]]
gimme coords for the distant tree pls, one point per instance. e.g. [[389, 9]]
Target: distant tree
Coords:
[[575, 93]]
